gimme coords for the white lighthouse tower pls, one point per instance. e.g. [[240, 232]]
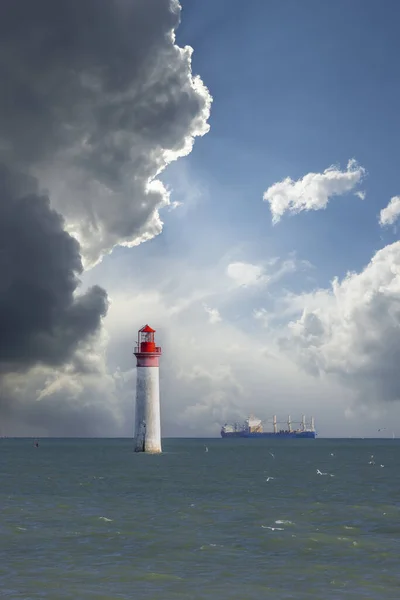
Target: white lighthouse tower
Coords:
[[147, 413]]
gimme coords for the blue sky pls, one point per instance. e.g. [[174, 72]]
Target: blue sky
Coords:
[[297, 86]]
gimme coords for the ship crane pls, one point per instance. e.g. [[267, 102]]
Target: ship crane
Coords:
[[302, 425]]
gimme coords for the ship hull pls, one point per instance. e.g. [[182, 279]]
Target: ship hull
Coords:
[[271, 434]]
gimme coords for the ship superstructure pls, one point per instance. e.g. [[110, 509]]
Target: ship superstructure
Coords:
[[254, 428]]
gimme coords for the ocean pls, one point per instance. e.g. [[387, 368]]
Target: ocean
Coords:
[[249, 519]]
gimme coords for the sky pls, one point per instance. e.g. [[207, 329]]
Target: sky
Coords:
[[224, 171]]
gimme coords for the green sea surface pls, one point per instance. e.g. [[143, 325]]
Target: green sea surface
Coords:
[[249, 519]]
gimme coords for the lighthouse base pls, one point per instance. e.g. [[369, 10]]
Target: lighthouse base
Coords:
[[150, 451], [147, 414], [145, 446], [149, 446]]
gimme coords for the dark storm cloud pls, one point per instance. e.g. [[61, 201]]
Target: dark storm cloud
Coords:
[[96, 100], [41, 319], [54, 55]]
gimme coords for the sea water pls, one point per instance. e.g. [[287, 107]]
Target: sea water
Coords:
[[247, 519]]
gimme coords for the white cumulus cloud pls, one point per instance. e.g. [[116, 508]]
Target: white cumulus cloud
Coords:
[[352, 330], [213, 314], [246, 274], [313, 191], [391, 212]]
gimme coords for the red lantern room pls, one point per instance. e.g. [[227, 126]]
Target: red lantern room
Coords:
[[146, 343]]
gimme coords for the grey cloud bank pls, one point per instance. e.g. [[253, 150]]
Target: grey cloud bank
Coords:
[[96, 100]]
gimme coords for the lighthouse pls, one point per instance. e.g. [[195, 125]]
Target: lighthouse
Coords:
[[147, 412]]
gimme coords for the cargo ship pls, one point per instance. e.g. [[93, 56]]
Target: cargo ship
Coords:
[[254, 428]]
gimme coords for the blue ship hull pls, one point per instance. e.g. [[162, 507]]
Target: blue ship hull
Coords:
[[271, 434]]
